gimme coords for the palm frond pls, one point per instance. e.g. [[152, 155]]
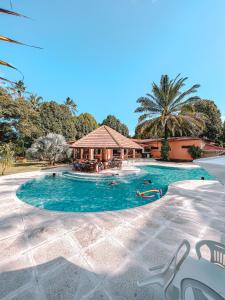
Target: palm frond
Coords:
[[191, 90], [190, 100], [6, 39], [3, 63], [10, 12], [148, 105], [7, 80]]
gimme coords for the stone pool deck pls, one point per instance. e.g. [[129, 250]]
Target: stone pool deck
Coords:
[[55, 255]]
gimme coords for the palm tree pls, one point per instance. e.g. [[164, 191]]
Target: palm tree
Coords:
[[18, 89], [161, 109], [71, 104], [35, 101]]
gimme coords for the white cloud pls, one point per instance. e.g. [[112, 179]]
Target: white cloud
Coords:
[[223, 118]]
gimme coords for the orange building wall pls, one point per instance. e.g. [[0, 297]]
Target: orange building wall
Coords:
[[179, 153], [176, 152]]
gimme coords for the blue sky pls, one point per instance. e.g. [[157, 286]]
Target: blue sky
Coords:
[[106, 53]]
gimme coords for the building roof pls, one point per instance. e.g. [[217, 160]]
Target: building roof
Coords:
[[105, 137], [213, 148], [178, 138]]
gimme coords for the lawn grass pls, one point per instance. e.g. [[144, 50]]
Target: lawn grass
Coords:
[[27, 166]]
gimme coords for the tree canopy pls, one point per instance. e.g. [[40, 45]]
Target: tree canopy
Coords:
[[223, 134], [160, 110], [18, 119], [84, 124], [116, 124], [213, 123], [23, 120], [57, 118]]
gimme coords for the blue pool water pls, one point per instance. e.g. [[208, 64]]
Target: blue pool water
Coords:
[[69, 194]]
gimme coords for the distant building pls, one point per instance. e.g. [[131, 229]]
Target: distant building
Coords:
[[179, 147]]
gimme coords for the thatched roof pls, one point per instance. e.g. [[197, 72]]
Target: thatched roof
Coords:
[[105, 137]]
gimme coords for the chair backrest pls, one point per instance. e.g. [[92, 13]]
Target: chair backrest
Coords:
[[176, 261], [217, 251], [200, 290]]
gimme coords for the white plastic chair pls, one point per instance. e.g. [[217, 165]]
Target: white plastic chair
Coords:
[[168, 271], [217, 251], [199, 291]]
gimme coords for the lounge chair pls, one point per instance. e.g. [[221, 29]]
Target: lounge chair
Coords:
[[192, 289], [168, 271], [217, 251]]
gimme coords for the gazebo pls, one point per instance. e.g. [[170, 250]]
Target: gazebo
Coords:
[[104, 144]]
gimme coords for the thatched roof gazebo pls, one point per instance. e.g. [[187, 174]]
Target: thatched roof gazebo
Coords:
[[104, 144]]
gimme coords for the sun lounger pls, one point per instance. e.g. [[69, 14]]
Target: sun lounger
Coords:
[[167, 272]]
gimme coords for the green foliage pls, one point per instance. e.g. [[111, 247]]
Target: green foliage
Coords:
[[115, 124], [18, 119], [57, 118], [160, 110], [213, 124], [71, 105], [23, 120], [223, 134], [35, 101], [195, 151], [165, 149], [6, 156], [84, 124]]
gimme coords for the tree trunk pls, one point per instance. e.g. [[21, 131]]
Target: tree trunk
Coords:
[[166, 132], [165, 148]]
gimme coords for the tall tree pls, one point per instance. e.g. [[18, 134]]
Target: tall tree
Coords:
[[85, 123], [57, 118], [35, 101], [18, 120], [222, 137], [71, 105], [116, 124], [213, 124], [160, 110], [18, 89]]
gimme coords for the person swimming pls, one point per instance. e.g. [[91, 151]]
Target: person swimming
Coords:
[[113, 183], [147, 181]]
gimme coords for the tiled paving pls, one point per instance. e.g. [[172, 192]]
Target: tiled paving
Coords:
[[99, 256]]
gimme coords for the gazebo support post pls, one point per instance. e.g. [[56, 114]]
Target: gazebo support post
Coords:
[[122, 153], [81, 153], [91, 154], [134, 153]]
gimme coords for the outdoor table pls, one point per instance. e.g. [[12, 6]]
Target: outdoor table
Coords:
[[202, 270]]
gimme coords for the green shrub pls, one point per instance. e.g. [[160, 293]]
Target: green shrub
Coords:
[[195, 151], [6, 157]]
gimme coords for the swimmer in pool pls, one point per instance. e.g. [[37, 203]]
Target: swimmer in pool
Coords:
[[147, 181], [113, 183]]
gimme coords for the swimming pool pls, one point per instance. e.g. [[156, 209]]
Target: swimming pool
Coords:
[[70, 193]]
